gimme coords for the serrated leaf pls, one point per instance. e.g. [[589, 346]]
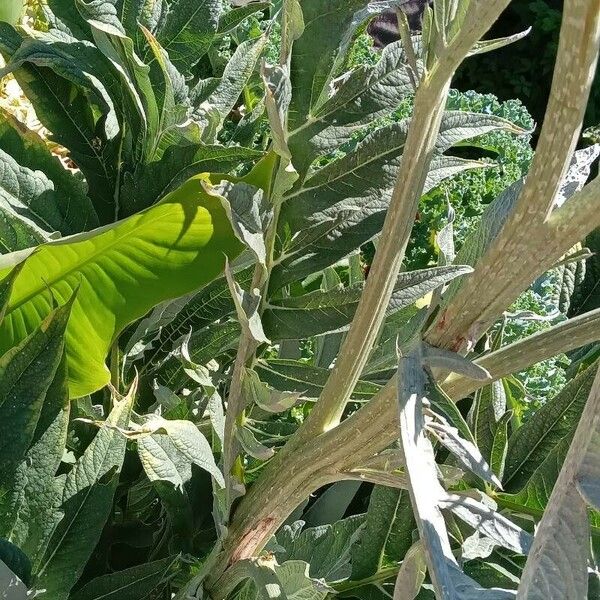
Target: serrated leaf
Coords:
[[315, 54], [346, 190], [65, 206], [86, 502], [533, 442], [320, 312], [64, 108], [163, 252]]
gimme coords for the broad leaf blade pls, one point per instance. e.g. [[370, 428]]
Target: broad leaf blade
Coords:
[[161, 253]]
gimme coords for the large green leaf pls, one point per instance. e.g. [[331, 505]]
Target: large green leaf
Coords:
[[315, 53], [368, 93], [11, 10], [189, 29], [86, 503], [34, 413], [387, 535], [120, 271], [533, 442]]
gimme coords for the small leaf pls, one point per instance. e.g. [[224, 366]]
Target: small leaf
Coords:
[[186, 438], [465, 451], [269, 399], [412, 573], [247, 308], [252, 446]]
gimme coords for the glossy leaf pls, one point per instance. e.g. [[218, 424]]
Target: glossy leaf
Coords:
[[161, 253]]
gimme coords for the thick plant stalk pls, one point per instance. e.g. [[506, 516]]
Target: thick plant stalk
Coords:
[[564, 337], [520, 251], [430, 102], [334, 455]]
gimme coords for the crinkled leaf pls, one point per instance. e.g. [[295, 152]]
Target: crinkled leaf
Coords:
[[327, 548], [86, 503]]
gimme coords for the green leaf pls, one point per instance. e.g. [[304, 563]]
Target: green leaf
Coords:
[[189, 30], [352, 194], [488, 408], [316, 52], [320, 312], [234, 17], [499, 449], [294, 376], [531, 445], [412, 573], [34, 499], [161, 253], [11, 10], [150, 182], [27, 373], [237, 72], [65, 206], [559, 556], [327, 548], [387, 535], [86, 503], [188, 442], [204, 345], [271, 581], [365, 95], [135, 583], [71, 86]]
